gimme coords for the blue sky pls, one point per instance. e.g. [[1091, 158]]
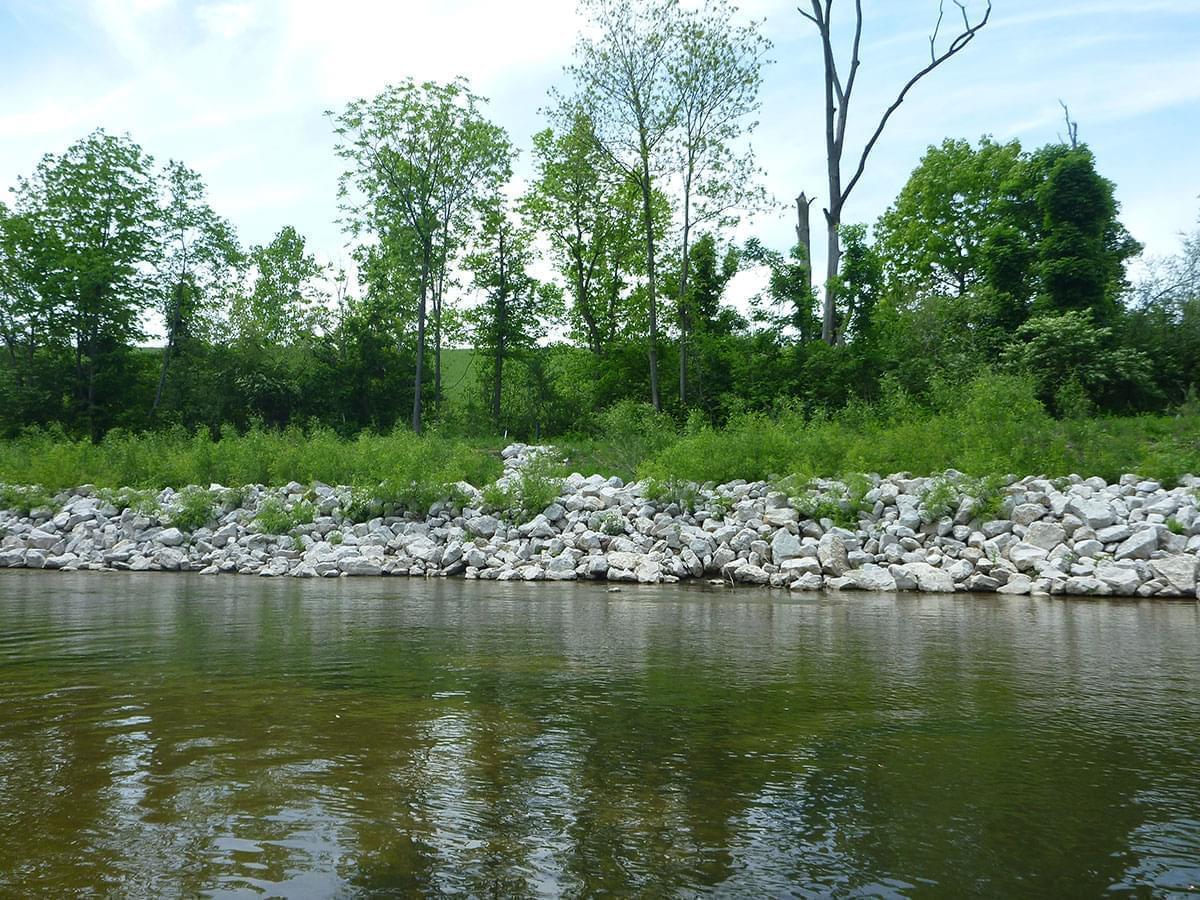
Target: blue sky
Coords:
[[236, 89]]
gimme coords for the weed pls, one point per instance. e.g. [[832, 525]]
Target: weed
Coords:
[[683, 494], [192, 508], [335, 538], [611, 523], [276, 518], [1175, 526], [526, 493], [23, 499], [143, 503]]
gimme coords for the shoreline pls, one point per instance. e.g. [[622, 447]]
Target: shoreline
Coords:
[[948, 533]]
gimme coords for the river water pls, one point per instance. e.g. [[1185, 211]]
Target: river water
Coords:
[[173, 735]]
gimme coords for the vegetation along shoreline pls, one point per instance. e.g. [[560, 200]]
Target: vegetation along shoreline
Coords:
[[944, 533]]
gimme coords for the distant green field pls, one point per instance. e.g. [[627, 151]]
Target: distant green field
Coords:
[[459, 372]]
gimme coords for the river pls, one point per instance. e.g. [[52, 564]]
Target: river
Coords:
[[177, 735]]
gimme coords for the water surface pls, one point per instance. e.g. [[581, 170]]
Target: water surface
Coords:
[[172, 735]]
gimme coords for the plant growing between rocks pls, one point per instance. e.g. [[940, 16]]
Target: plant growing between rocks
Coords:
[[192, 508]]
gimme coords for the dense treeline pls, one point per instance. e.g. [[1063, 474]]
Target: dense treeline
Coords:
[[993, 258]]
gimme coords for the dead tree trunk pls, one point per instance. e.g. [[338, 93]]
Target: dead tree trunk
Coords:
[[837, 104]]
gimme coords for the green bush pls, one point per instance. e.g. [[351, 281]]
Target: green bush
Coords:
[[274, 517], [528, 492], [192, 508], [23, 499]]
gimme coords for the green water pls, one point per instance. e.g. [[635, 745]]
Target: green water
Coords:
[[180, 736]]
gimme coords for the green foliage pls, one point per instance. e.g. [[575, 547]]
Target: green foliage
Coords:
[[683, 494], [528, 492], [24, 498], [415, 468], [843, 501], [945, 493], [1175, 526], [192, 508], [143, 502], [276, 517]]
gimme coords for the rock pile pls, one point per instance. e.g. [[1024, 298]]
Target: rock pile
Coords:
[[1066, 536]]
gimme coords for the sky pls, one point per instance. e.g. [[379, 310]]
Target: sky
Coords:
[[237, 89]]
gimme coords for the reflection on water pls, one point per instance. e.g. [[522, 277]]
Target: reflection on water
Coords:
[[172, 735]]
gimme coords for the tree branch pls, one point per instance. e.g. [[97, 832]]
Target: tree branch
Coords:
[[961, 41]]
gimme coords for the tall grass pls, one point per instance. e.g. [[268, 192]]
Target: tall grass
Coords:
[[997, 428], [175, 458], [993, 426]]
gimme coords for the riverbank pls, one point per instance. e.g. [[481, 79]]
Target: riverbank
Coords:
[[947, 533]]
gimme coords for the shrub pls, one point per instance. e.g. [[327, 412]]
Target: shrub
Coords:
[[684, 494], [192, 508], [526, 493], [23, 499], [276, 518]]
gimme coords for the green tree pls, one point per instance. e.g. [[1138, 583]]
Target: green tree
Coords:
[[516, 307], [1082, 248], [90, 217], [1068, 354], [579, 201], [276, 325], [419, 158], [936, 236], [198, 263], [715, 75], [839, 91], [624, 76]]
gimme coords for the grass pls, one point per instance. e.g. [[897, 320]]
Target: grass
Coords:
[[413, 468], [995, 427]]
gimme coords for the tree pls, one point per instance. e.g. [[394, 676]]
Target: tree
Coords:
[[937, 234], [715, 76], [579, 201], [788, 299], [625, 80], [419, 157], [516, 306], [89, 216], [838, 95], [1083, 247], [276, 324], [199, 261]]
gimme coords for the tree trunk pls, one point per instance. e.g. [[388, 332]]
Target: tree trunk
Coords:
[[172, 331], [416, 413], [833, 249], [501, 331], [804, 238], [684, 263], [648, 222]]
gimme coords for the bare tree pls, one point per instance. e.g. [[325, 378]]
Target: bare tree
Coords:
[[837, 106], [1072, 139]]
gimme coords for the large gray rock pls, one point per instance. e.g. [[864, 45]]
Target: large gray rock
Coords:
[[1016, 584], [1028, 513], [1139, 546], [359, 565], [930, 578], [1046, 535], [1178, 571], [1027, 557], [784, 546], [807, 582], [831, 551], [40, 540], [871, 578], [1095, 513], [1122, 580], [169, 537]]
